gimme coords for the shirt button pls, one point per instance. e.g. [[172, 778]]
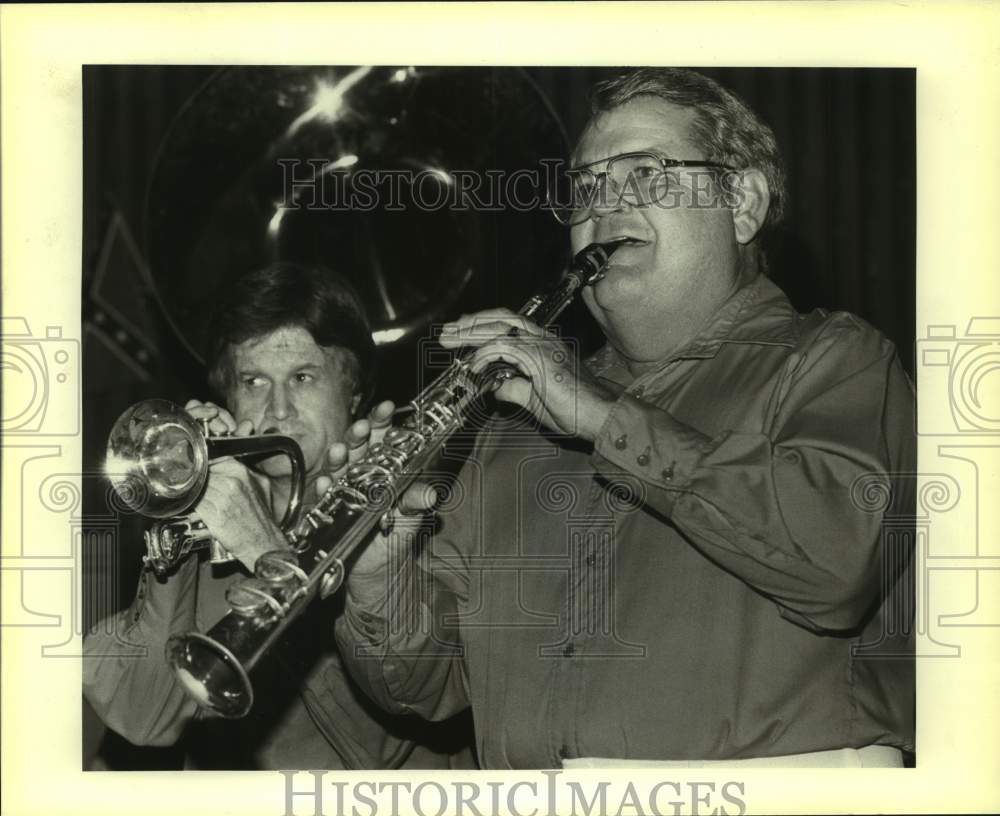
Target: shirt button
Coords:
[[638, 390], [569, 650], [668, 473], [621, 442], [643, 458]]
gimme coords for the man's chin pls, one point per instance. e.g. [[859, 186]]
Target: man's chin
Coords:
[[620, 285], [274, 467]]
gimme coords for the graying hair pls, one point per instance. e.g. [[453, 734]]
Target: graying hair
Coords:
[[724, 126]]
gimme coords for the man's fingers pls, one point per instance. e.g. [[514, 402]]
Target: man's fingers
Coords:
[[380, 420], [227, 419], [323, 483], [453, 334], [245, 428], [381, 415], [485, 316], [480, 328], [219, 419], [358, 433], [337, 459], [525, 360], [418, 498], [226, 466], [519, 392], [357, 439]]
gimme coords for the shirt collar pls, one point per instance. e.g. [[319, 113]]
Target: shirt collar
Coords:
[[758, 313]]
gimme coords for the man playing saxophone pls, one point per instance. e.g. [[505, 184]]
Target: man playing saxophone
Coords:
[[677, 565], [291, 353]]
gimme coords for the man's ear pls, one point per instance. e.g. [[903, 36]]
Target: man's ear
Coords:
[[751, 198]]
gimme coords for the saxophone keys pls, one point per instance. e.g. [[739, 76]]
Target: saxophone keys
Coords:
[[251, 599], [280, 569], [332, 579]]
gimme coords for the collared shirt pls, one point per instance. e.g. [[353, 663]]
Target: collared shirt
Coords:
[[717, 578], [307, 711]]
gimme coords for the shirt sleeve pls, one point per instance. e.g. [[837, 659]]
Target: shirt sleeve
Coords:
[[399, 635], [125, 676], [779, 508]]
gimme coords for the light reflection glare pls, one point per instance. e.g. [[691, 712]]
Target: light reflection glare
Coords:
[[274, 225], [116, 467], [442, 175], [403, 74], [383, 336], [328, 100], [347, 160]]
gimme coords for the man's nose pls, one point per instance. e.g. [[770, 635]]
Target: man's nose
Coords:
[[281, 405], [607, 198]]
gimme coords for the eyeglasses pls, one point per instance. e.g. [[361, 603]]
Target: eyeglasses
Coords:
[[637, 179]]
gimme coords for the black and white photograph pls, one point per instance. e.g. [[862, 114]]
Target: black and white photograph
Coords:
[[466, 434], [680, 469]]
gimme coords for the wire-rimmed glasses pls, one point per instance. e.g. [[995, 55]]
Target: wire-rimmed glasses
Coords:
[[639, 178]]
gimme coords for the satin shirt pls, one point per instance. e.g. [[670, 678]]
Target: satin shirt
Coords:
[[718, 576]]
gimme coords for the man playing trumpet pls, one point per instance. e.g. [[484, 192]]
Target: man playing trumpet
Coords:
[[292, 354]]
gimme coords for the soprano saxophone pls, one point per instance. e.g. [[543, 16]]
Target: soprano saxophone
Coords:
[[214, 667]]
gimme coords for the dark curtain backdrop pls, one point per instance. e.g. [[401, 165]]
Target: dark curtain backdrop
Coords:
[[847, 136]]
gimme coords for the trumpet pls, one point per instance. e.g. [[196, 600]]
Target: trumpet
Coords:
[[157, 461], [214, 667]]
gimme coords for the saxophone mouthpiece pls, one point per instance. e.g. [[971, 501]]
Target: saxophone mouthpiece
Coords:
[[590, 262]]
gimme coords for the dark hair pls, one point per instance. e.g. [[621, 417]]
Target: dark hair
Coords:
[[724, 126], [284, 294]]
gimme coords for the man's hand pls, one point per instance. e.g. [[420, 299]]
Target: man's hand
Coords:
[[220, 421], [550, 385], [234, 505], [367, 578]]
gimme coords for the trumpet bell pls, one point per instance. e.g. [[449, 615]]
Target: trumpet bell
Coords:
[[157, 458]]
